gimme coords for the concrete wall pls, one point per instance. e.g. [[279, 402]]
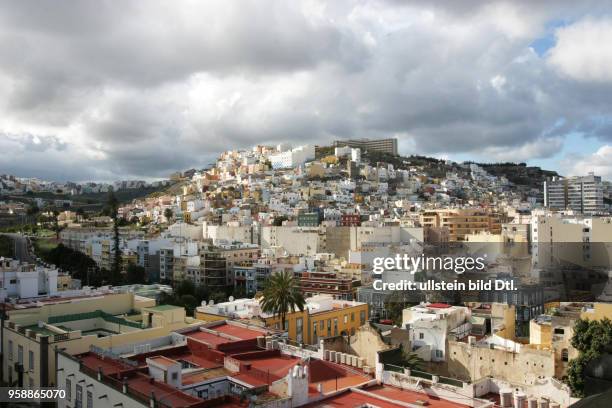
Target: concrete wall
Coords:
[[471, 363], [366, 343]]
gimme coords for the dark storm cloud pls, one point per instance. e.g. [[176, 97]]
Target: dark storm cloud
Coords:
[[151, 87]]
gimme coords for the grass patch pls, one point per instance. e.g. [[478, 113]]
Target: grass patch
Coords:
[[43, 246]]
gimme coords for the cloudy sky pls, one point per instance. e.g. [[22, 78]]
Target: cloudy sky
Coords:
[[94, 91]]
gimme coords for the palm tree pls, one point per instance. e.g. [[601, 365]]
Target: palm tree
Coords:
[[412, 361], [282, 295]]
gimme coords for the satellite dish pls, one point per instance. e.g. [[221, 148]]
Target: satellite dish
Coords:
[[231, 298]]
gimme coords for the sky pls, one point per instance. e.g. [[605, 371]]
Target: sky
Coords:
[[94, 91]]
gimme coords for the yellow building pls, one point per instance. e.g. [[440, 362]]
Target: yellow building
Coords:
[[322, 317], [462, 222], [599, 311], [33, 332]]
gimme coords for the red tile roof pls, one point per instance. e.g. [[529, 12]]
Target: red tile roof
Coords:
[[237, 331], [384, 397], [353, 399], [108, 366], [439, 305]]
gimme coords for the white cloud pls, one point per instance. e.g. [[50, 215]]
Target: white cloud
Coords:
[[583, 50], [599, 162], [125, 94]]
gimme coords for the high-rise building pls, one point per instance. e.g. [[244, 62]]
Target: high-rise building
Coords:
[[582, 194], [371, 145]]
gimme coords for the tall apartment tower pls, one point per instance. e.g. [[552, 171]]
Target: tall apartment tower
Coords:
[[582, 194], [372, 145]]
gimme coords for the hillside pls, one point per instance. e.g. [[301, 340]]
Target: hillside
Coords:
[[519, 173]]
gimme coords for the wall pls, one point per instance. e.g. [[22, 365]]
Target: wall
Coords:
[[366, 343], [115, 304], [113, 397], [600, 310], [471, 363], [461, 395]]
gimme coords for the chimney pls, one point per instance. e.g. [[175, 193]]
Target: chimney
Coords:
[[519, 399], [152, 401], [124, 388], [99, 373]]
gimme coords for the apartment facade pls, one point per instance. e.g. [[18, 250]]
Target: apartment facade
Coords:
[[33, 332], [323, 316], [581, 194], [462, 222], [373, 145]]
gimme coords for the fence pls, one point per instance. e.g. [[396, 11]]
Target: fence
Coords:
[[94, 315], [425, 375]]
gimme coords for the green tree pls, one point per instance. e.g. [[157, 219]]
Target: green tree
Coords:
[[168, 214], [136, 274], [113, 205], [184, 287], [278, 221], [282, 295], [592, 338], [56, 227], [201, 293], [189, 302], [394, 305], [218, 297], [33, 210], [412, 361]]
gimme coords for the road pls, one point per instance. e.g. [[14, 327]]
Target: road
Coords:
[[22, 247]]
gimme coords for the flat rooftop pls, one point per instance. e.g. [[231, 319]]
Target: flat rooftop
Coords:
[[108, 366], [411, 397], [238, 331]]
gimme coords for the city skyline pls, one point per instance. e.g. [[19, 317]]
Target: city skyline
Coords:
[[503, 81]]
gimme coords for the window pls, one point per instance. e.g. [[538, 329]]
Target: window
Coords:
[[299, 323], [68, 389], [328, 326], [30, 360], [321, 325], [564, 355], [352, 316], [10, 350], [421, 336], [345, 319], [439, 354], [89, 399], [286, 324], [559, 330], [20, 354], [362, 317], [79, 397]]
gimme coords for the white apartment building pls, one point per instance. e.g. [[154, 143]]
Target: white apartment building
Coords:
[[430, 323], [292, 158], [299, 241], [570, 239], [581, 194], [24, 281]]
